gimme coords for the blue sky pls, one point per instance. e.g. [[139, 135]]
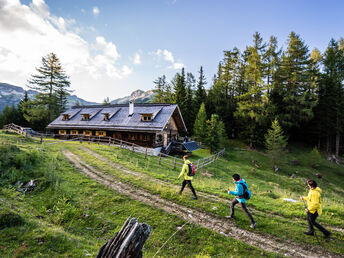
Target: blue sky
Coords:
[[129, 43]]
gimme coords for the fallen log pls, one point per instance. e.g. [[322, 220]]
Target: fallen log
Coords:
[[128, 242]]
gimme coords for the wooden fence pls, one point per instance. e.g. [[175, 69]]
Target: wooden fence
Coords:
[[160, 158]]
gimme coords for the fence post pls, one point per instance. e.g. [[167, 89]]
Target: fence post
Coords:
[[41, 139], [197, 164], [133, 147], [159, 159], [120, 145], [174, 162], [146, 153]]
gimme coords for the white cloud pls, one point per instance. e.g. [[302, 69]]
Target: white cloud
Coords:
[[95, 11], [168, 56], [137, 59], [29, 32]]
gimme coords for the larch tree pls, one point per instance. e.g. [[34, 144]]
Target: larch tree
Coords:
[[53, 84]]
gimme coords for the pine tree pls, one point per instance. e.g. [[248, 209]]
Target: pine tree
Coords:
[[200, 126], [275, 141], [52, 83]]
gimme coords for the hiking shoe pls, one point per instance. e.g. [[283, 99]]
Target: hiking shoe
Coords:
[[229, 217], [309, 233], [253, 225], [195, 198]]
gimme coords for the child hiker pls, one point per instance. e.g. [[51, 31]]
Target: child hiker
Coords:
[[241, 194], [314, 209], [187, 179]]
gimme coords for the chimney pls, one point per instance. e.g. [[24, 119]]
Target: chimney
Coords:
[[131, 108]]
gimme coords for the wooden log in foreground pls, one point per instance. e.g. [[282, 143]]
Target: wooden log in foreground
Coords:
[[128, 242]]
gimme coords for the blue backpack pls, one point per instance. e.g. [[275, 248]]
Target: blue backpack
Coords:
[[247, 193]]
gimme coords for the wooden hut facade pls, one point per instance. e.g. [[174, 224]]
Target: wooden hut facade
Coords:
[[148, 125]]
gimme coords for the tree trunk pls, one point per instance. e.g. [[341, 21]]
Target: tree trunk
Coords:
[[128, 242], [337, 144]]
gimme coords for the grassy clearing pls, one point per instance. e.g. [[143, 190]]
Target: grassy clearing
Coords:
[[276, 217], [70, 215]]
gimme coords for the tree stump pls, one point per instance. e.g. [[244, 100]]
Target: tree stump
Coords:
[[128, 242]]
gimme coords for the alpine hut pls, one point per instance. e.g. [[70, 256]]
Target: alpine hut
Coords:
[[148, 125]]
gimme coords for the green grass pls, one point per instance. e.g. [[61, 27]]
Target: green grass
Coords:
[[70, 215], [275, 216]]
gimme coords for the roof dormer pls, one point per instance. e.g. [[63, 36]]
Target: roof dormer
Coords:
[[65, 117], [106, 116], [85, 117], [146, 117]]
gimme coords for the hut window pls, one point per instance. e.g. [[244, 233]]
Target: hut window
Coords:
[[65, 117], [146, 117], [106, 116], [145, 137], [100, 133], [159, 138], [74, 132], [63, 132], [87, 132], [85, 117]]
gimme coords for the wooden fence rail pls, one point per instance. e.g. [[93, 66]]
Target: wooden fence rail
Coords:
[[161, 158]]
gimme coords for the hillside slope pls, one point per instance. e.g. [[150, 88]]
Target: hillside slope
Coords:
[[71, 203]]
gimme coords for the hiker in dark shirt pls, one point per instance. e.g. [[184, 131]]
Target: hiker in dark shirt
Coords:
[[240, 195]]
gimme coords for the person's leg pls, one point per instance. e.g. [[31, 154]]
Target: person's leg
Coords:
[[321, 228], [234, 202], [191, 187], [310, 220], [243, 206], [183, 185]]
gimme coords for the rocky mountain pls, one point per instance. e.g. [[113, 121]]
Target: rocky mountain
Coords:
[[11, 95], [138, 96]]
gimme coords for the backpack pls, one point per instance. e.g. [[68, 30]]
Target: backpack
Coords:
[[192, 170], [247, 193]]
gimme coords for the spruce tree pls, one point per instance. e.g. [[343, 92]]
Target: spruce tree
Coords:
[[200, 94], [216, 137], [275, 141], [200, 126], [190, 114], [292, 95]]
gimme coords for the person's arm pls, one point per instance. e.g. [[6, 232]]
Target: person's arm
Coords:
[[238, 190]]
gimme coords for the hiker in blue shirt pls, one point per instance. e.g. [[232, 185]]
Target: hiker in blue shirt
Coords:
[[241, 194]]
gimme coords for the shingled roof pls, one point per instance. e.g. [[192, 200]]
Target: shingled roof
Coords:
[[119, 119]]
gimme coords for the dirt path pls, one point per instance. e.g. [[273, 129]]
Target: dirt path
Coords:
[[207, 196], [210, 221]]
